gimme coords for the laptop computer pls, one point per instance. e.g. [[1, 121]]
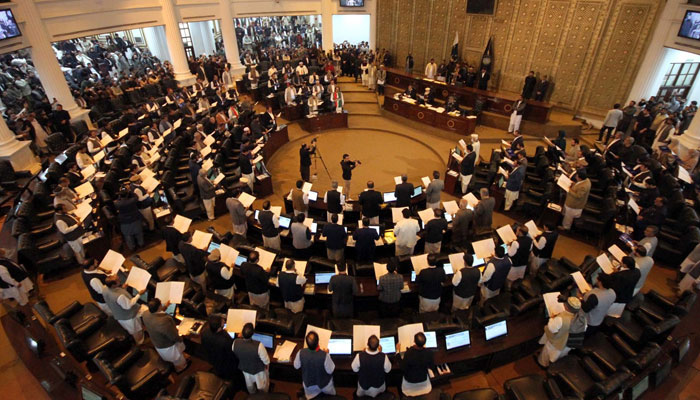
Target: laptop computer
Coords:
[[213, 246], [313, 196], [171, 310], [284, 221], [448, 268], [377, 229], [456, 340], [496, 330], [340, 347], [267, 340], [389, 197], [430, 340], [240, 260], [388, 344], [417, 191], [322, 278]]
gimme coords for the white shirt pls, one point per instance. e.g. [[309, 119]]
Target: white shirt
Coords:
[[430, 70], [406, 231], [302, 70], [328, 365], [5, 276], [301, 279], [127, 302], [342, 198]]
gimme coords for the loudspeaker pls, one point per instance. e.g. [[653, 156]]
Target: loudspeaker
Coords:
[[486, 7]]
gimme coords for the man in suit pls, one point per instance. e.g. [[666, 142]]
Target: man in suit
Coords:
[[410, 92], [195, 260], [61, 122], [415, 363], [466, 284], [305, 153], [336, 238], [403, 192], [542, 88], [529, 86], [371, 366], [365, 238], [466, 168], [343, 288], [164, 336], [316, 368], [429, 282], [434, 232], [218, 345], [576, 198], [371, 201], [256, 281], [433, 191], [514, 183], [409, 64], [516, 116], [291, 286], [623, 281], [470, 78], [483, 79], [253, 360], [461, 222]]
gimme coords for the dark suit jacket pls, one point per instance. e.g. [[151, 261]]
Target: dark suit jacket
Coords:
[[344, 289], [622, 282], [403, 193], [483, 81], [364, 244], [466, 167], [370, 200], [218, 351]]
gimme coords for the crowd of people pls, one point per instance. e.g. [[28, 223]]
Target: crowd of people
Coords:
[[287, 32]]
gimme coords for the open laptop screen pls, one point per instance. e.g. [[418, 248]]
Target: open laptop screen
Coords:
[[340, 347]]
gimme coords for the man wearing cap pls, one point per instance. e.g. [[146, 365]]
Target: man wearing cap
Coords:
[[220, 275], [556, 333], [144, 201]]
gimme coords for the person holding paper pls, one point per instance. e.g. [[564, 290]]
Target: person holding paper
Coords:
[[429, 281], [461, 224], [218, 345], [389, 288], [244, 162], [269, 224], [14, 280], [95, 281], [316, 368], [220, 275], [365, 242], [207, 191], [239, 219], [195, 260], [93, 144], [300, 200], [415, 363], [519, 253], [433, 191], [576, 198], [654, 215], [543, 247], [253, 360], [125, 308], [334, 201], [291, 285], [644, 263], [406, 232], [164, 336], [343, 289], [514, 183], [494, 275], [144, 201], [301, 237], [623, 281], [556, 333], [256, 281], [435, 230], [63, 194], [466, 168], [371, 366], [483, 212], [129, 219], [82, 158], [371, 200], [336, 239], [596, 303], [404, 192], [466, 284], [71, 231]]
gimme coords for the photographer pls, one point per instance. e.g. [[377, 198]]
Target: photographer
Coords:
[[305, 153]]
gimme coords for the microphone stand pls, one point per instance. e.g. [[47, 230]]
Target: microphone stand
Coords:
[[319, 156]]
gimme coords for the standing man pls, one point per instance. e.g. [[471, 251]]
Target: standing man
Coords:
[[529, 86], [406, 232], [253, 360], [300, 200], [217, 345], [195, 260], [316, 368], [336, 238], [239, 219], [543, 247], [466, 168], [305, 153], [247, 168], [71, 231], [389, 287], [542, 88], [519, 253], [431, 69], [483, 79], [409, 64], [516, 116], [365, 239], [144, 201], [125, 308], [466, 284], [612, 118], [95, 282], [461, 222], [429, 282], [415, 363], [556, 333], [483, 212], [403, 192], [207, 191], [623, 281], [220, 275], [15, 282], [269, 224], [514, 183], [644, 264], [343, 289], [371, 366], [494, 276], [291, 285], [371, 201], [576, 199], [256, 281], [164, 336], [129, 219], [433, 191], [347, 165], [596, 303], [434, 232], [334, 200], [381, 80]]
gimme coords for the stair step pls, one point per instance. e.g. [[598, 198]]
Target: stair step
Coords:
[[360, 97], [362, 108]]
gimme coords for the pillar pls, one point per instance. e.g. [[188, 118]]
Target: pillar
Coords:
[[228, 33], [372, 9], [691, 138], [327, 24], [16, 151], [156, 41], [175, 45], [46, 63]]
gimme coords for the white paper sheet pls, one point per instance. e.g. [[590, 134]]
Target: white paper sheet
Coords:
[[506, 234], [617, 252], [283, 352], [605, 264], [150, 184], [84, 190], [457, 261], [246, 199], [397, 180], [406, 334], [170, 292], [306, 187], [83, 210], [299, 266], [426, 215], [553, 305], [324, 335], [419, 263], [471, 199], [564, 182], [532, 229], [616, 310], [88, 171], [451, 207], [425, 180], [380, 270], [182, 224], [580, 281], [228, 254], [484, 248], [266, 258], [112, 261], [201, 239], [146, 173], [138, 278], [237, 318], [396, 214], [360, 335]]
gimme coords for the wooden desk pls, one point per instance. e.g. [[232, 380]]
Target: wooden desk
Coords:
[[324, 122], [293, 113], [276, 140], [496, 102], [415, 112]]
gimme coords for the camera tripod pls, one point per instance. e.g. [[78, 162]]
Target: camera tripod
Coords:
[[318, 156]]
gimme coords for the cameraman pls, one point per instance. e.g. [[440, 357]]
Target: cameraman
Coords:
[[305, 153]]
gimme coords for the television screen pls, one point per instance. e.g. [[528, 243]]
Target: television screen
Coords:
[[690, 28], [486, 7], [8, 25], [352, 3]]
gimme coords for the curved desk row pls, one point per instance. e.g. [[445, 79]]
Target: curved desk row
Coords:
[[461, 125]]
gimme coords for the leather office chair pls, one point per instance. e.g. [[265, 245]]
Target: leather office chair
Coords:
[[108, 337], [477, 394], [658, 306], [434, 321], [82, 319], [203, 386], [343, 326], [138, 373], [281, 321], [532, 387], [160, 270], [613, 353], [639, 328], [583, 378]]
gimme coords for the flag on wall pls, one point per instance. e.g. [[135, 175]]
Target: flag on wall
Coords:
[[487, 58], [455, 47]]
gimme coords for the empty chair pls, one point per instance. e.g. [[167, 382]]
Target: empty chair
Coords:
[[203, 386], [477, 394], [532, 387], [138, 373]]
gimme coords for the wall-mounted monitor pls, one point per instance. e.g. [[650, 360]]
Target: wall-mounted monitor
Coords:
[[484, 7], [352, 3], [8, 25], [690, 28]]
